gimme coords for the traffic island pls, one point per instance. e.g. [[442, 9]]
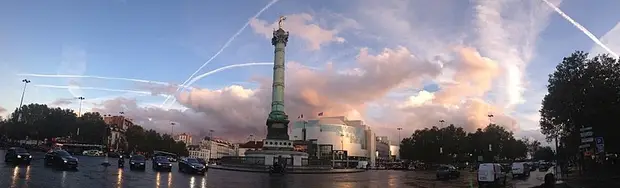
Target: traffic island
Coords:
[[308, 170]]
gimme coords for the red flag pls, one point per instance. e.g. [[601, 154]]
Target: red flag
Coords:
[[321, 114]]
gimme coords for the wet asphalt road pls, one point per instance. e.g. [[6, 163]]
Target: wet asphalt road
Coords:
[[91, 175]]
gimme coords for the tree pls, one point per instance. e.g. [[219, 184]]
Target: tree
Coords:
[[582, 92], [544, 153], [453, 144], [38, 121]]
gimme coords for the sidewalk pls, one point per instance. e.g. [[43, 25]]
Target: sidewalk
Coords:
[[592, 182]]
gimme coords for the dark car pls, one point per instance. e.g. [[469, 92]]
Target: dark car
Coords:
[[17, 155], [191, 165], [202, 161], [60, 158], [137, 162], [447, 172], [161, 163]]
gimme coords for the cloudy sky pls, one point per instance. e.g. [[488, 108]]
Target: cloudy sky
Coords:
[[391, 63]]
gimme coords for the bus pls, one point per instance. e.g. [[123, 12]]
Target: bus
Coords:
[[171, 156]]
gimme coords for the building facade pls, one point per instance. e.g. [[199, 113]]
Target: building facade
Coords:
[[185, 138], [117, 126], [198, 152], [349, 140], [218, 147]]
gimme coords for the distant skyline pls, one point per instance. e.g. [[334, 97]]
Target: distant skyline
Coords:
[[391, 63]]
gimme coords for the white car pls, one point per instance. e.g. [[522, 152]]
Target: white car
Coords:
[[520, 169], [92, 153], [490, 174]]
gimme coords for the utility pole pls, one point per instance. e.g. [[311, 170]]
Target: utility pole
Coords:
[[21, 102], [80, 109]]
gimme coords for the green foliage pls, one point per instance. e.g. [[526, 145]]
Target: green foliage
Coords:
[[39, 121], [457, 145], [582, 92], [544, 153]]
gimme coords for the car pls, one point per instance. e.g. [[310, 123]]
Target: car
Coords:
[[490, 174], [202, 161], [17, 155], [447, 172], [191, 165], [137, 162], [61, 159], [161, 163], [521, 169]]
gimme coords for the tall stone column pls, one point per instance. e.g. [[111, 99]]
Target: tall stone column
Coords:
[[277, 122]]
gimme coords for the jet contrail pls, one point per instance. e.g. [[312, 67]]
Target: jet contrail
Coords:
[[94, 88], [225, 45], [580, 27], [215, 71], [97, 77]]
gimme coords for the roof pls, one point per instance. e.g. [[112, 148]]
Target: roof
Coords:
[[251, 144]]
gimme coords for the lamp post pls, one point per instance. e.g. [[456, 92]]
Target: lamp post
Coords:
[[80, 109], [21, 102], [342, 149], [399, 129], [490, 118]]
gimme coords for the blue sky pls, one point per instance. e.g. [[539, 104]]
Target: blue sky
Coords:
[[168, 40]]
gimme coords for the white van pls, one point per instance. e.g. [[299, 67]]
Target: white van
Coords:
[[520, 169], [490, 173]]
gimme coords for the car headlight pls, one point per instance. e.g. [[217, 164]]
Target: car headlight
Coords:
[[133, 163], [141, 163], [170, 164], [19, 156], [65, 161], [30, 156], [193, 166], [159, 164]]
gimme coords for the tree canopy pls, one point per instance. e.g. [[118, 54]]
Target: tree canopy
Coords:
[[452, 144], [39, 121], [582, 92]]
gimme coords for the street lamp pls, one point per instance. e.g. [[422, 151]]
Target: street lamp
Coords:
[[80, 109], [21, 102], [342, 148], [490, 118], [172, 129], [399, 129]]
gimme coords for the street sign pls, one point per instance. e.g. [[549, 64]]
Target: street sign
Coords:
[[585, 129], [587, 140], [599, 140], [584, 146], [587, 134], [600, 148]]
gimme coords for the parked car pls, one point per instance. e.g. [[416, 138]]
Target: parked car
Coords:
[[491, 174], [521, 169], [17, 155], [161, 163], [447, 172], [61, 159], [191, 165], [137, 162]]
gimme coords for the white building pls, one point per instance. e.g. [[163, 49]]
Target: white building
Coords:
[[218, 147], [198, 152], [351, 136], [185, 138]]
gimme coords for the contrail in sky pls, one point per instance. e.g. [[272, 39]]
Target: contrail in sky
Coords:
[[580, 27], [225, 45], [93, 88], [97, 77], [215, 71]]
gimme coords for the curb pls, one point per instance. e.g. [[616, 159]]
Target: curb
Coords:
[[288, 172]]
